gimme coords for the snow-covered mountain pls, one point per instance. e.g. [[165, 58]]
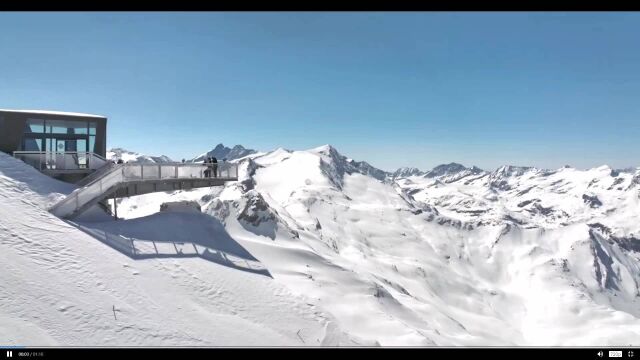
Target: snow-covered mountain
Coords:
[[127, 156], [445, 173], [453, 256], [62, 284], [452, 172], [406, 172], [222, 152], [527, 196]]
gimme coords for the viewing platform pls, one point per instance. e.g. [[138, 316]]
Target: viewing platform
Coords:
[[124, 180]]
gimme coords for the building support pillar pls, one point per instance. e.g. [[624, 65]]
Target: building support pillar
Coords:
[[115, 207]]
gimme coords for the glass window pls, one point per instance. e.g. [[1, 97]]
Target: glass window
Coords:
[[56, 127], [31, 144], [92, 128], [81, 145], [66, 127], [34, 126], [92, 143], [80, 128], [71, 145]]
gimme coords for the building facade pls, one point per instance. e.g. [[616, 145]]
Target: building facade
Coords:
[[57, 143], [23, 130]]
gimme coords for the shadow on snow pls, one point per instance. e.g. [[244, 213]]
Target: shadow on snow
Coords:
[[174, 235]]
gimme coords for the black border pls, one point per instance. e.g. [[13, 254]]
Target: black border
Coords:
[[292, 6]]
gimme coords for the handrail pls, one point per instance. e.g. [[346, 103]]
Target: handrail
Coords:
[[61, 160], [100, 157], [96, 175], [58, 152]]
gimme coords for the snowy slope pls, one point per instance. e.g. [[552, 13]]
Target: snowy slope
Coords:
[[60, 283], [518, 256]]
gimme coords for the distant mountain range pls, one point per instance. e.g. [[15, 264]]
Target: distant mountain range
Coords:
[[222, 152], [127, 156]]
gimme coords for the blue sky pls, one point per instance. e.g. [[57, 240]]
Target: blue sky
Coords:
[[394, 89]]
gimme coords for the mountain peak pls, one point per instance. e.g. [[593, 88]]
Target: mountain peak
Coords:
[[407, 171], [337, 164], [324, 149], [223, 152], [125, 155], [512, 170], [450, 169]]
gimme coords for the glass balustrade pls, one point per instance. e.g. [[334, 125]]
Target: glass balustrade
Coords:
[[60, 161]]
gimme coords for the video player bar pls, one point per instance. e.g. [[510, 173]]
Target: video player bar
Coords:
[[438, 352]]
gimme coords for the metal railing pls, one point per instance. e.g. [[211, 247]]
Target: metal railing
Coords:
[[67, 160], [134, 171], [125, 173], [96, 174]]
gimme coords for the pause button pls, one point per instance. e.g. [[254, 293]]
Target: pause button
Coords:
[[9, 354]]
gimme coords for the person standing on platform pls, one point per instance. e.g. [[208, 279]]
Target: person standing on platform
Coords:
[[214, 166], [207, 171]]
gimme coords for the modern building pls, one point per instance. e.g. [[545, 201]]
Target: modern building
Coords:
[[72, 147], [64, 145]]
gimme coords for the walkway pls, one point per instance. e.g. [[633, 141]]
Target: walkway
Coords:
[[126, 180]]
